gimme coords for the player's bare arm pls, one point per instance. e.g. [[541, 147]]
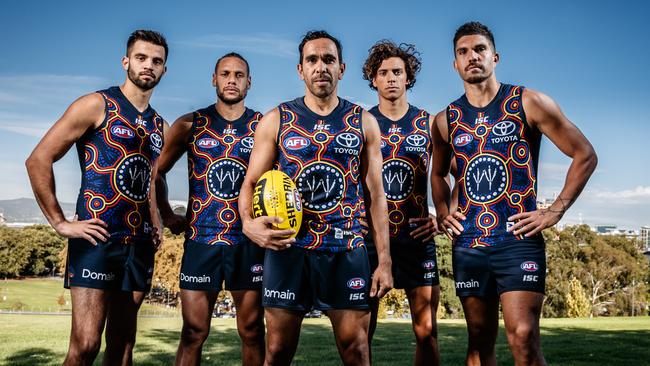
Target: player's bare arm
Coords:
[[544, 114], [262, 158], [448, 220], [82, 115], [176, 138], [371, 164]]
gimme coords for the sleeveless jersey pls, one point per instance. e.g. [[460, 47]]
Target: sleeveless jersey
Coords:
[[322, 156], [116, 161], [496, 152], [217, 154], [406, 150]]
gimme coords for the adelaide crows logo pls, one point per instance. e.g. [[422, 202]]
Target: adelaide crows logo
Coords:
[[225, 177], [321, 186], [398, 179], [133, 177], [486, 178]]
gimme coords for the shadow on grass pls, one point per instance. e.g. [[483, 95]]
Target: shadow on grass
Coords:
[[33, 356]]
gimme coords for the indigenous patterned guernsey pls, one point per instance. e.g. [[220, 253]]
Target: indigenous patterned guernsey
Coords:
[[322, 155], [406, 149], [496, 152], [116, 161], [217, 153]]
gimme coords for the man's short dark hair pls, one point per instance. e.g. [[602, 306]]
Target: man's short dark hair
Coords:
[[472, 28], [236, 55], [386, 49], [317, 34], [147, 36]]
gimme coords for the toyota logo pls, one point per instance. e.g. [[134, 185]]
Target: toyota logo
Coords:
[[247, 142], [348, 139], [416, 140], [156, 140], [504, 128]]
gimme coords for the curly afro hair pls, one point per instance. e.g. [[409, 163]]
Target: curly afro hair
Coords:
[[386, 49]]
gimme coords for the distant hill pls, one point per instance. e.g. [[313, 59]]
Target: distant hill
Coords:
[[27, 210]]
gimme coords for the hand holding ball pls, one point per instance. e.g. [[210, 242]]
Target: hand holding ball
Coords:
[[276, 194]]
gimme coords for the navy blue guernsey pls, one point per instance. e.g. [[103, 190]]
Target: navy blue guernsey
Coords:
[[406, 150], [496, 152], [322, 156], [116, 161], [217, 155]]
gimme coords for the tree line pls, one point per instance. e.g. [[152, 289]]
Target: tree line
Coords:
[[587, 274]]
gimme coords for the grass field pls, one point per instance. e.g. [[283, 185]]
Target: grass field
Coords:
[[43, 339]]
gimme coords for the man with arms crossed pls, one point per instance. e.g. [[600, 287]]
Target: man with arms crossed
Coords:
[[218, 140], [112, 239], [493, 133], [406, 149], [329, 147]]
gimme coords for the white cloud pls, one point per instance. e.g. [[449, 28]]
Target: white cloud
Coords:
[[263, 43], [635, 195]]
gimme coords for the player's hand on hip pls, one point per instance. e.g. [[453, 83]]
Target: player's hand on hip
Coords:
[[260, 231], [533, 222], [426, 228], [90, 230], [157, 236], [451, 225], [382, 281], [177, 224], [364, 223]]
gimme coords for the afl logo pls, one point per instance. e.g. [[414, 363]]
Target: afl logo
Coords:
[[247, 142], [463, 139], [416, 140], [257, 268], [356, 283], [156, 140], [530, 266], [123, 132], [207, 143], [429, 265], [504, 128], [348, 139], [296, 143]]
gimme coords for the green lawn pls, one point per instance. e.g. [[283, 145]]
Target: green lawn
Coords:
[[43, 295], [42, 340]]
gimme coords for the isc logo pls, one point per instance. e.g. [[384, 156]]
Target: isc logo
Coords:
[[296, 143], [357, 296], [529, 266], [463, 139], [257, 268], [121, 131], [356, 283], [207, 143]]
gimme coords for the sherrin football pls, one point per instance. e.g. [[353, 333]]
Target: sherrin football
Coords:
[[276, 194]]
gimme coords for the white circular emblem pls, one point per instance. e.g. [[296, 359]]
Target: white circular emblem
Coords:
[[398, 179], [133, 177], [486, 178], [321, 186], [225, 177]]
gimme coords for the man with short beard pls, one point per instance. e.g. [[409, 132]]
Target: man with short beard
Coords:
[[114, 235], [493, 132], [218, 140], [330, 148]]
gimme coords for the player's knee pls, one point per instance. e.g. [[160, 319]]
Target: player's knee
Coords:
[[194, 335], [523, 338], [85, 348], [354, 344], [424, 332], [252, 333]]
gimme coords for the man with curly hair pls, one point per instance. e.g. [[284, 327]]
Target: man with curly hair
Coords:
[[406, 148]]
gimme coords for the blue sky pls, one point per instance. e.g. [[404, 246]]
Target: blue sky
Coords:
[[589, 56]]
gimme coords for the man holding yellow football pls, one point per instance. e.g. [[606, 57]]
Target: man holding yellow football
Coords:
[[331, 150]]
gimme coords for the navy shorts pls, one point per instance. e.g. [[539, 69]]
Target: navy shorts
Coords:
[[112, 265], [414, 263], [300, 279], [205, 267], [513, 266]]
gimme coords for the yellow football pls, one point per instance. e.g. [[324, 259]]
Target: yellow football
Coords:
[[276, 195]]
